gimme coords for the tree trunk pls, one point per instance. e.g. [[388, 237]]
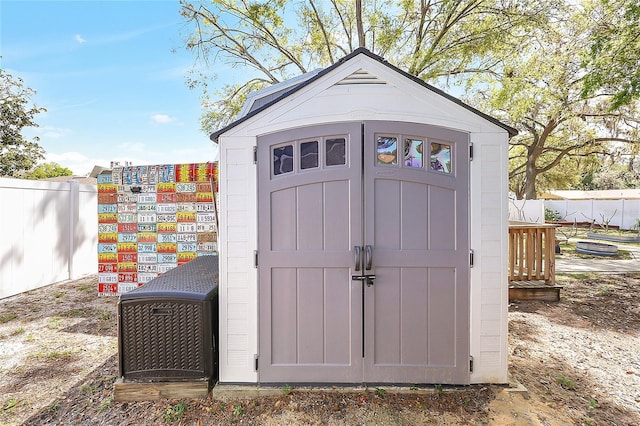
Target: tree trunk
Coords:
[[360, 25], [530, 180]]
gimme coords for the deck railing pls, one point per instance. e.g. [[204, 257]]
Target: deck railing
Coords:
[[532, 252]]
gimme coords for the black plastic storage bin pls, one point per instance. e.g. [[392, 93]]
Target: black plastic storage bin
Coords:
[[167, 329]]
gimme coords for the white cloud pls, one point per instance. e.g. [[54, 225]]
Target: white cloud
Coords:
[[49, 132], [78, 163], [161, 118], [79, 39], [132, 146]]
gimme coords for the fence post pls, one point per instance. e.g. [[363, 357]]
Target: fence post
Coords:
[[74, 214]]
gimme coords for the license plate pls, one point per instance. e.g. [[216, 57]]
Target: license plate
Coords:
[[207, 247], [167, 238], [145, 277], [127, 267], [127, 238], [186, 207], [166, 197], [169, 227], [104, 178], [147, 257], [127, 277], [108, 228], [146, 217], [125, 287], [146, 208], [108, 238], [108, 248], [186, 216], [108, 278], [147, 227], [127, 208], [166, 267], [147, 237], [146, 198], [186, 227], [107, 267], [204, 197], [187, 256], [127, 257], [186, 197], [206, 218], [166, 209], [107, 218], [147, 267], [204, 207], [127, 218], [186, 247], [206, 227], [107, 208], [187, 238], [171, 258], [147, 248], [186, 187], [163, 218]]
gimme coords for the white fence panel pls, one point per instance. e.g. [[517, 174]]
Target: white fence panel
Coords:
[[526, 210], [620, 213], [49, 233]]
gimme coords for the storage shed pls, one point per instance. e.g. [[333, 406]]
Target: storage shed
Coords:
[[363, 234]]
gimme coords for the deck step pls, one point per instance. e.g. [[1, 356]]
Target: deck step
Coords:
[[533, 290]]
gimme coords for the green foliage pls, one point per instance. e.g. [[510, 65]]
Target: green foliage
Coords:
[[16, 153], [46, 170], [380, 392], [551, 215], [105, 404], [271, 41], [238, 410], [174, 413], [539, 91], [613, 60], [287, 389], [4, 318], [565, 382]]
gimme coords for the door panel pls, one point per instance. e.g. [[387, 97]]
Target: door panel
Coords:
[[310, 209], [399, 188], [415, 218]]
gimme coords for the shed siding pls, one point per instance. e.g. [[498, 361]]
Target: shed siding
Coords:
[[237, 240], [489, 290]]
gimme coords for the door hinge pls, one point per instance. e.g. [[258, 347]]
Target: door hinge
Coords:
[[255, 155], [470, 151], [470, 363], [255, 258], [255, 362], [471, 258]]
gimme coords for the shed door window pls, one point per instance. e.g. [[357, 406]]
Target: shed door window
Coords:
[[307, 155], [413, 152], [440, 157], [283, 159], [336, 150]]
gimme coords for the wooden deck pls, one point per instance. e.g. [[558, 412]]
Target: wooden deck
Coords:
[[532, 274]]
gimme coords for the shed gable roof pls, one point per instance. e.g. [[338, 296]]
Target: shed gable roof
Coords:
[[277, 92]]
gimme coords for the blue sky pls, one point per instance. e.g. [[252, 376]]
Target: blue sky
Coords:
[[112, 77]]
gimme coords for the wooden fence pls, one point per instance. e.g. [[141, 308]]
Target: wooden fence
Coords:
[[532, 252]]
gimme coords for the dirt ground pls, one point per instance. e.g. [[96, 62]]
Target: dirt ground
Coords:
[[579, 360]]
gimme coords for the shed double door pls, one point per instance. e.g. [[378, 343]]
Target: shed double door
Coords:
[[363, 252]]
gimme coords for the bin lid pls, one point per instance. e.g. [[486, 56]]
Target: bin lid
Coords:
[[196, 279]]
